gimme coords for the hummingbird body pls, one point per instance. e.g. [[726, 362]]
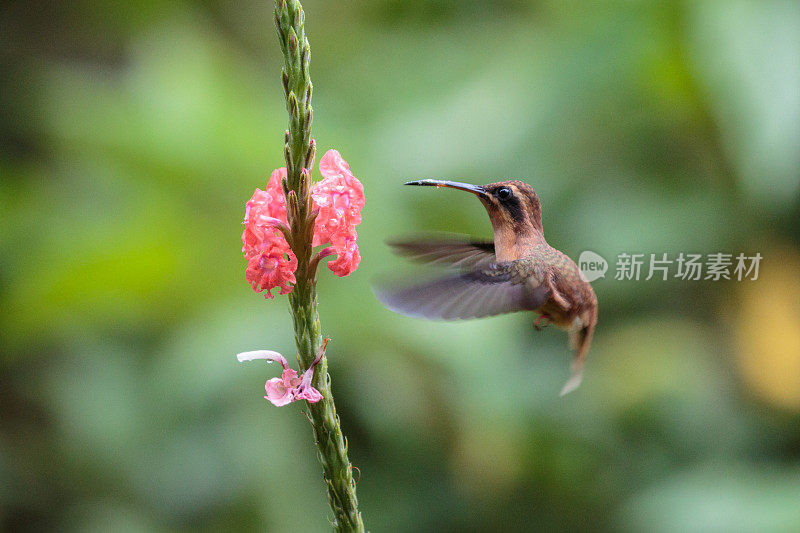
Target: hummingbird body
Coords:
[[518, 271]]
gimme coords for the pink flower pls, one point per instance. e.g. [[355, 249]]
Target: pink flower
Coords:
[[270, 260], [339, 198], [289, 387]]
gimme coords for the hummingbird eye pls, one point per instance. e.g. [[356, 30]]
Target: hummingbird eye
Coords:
[[504, 193]]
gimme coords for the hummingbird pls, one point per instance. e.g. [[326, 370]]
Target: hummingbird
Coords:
[[517, 271]]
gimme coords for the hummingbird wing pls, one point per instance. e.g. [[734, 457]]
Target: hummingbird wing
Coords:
[[492, 289], [451, 251]]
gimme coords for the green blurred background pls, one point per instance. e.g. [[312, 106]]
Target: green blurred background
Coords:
[[132, 134]]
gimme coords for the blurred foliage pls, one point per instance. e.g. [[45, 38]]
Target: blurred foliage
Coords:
[[133, 133]]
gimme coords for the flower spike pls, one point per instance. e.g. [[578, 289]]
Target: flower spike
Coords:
[[334, 213]]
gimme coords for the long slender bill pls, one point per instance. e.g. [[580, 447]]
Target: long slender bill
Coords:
[[474, 189]]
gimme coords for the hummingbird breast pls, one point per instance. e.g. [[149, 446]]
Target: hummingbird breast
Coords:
[[571, 297]]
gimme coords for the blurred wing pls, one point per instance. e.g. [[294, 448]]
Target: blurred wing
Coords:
[[492, 290], [446, 251]]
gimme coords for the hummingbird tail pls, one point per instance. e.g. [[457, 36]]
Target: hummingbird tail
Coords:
[[581, 340], [574, 380]]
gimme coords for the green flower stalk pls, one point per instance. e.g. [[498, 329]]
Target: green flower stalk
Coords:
[[282, 226]]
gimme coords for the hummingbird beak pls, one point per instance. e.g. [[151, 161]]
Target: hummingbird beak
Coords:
[[474, 189]]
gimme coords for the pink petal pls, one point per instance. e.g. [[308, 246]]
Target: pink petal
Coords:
[[290, 378], [278, 393], [347, 261], [310, 394], [332, 164]]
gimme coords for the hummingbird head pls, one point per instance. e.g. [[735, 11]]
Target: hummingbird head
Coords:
[[512, 205]]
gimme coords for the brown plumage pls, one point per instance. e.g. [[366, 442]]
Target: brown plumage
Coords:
[[519, 271]]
